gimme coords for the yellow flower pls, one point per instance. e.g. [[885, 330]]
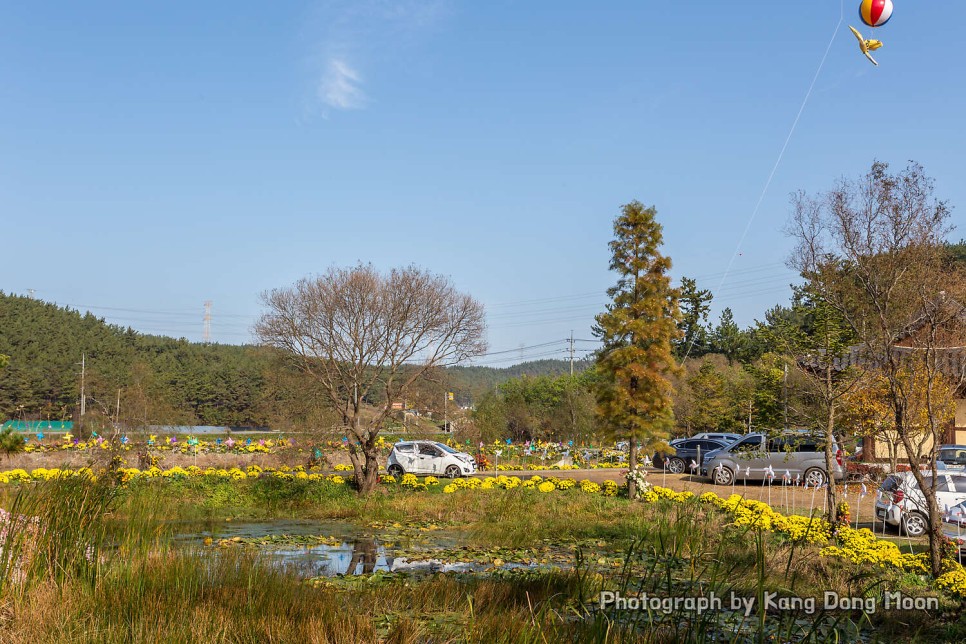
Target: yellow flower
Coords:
[[953, 581]]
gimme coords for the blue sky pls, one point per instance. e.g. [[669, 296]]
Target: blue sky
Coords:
[[156, 156]]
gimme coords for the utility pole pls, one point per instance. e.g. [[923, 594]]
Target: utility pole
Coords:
[[83, 397], [117, 410], [571, 353], [207, 335], [785, 394]]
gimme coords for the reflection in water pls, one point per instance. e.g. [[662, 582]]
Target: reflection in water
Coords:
[[364, 551], [351, 552]]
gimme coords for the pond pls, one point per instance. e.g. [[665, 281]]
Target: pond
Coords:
[[311, 549]]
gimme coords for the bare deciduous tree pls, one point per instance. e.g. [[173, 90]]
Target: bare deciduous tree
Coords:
[[367, 336], [873, 249]]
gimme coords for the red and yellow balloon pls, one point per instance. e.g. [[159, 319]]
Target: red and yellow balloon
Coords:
[[875, 13]]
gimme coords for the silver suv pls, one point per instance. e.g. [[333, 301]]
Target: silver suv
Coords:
[[756, 455]]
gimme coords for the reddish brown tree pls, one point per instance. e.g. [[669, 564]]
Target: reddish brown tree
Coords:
[[365, 336]]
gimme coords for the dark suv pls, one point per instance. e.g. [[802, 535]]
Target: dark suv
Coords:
[[686, 451]]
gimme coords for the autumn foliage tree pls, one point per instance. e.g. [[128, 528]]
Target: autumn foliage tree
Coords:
[[870, 413], [635, 364], [874, 250]]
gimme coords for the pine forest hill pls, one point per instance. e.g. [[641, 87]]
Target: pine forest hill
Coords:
[[162, 380]]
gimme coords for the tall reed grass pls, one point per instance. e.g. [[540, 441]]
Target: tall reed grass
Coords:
[[86, 561]]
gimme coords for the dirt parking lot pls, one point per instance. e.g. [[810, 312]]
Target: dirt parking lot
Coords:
[[789, 499]]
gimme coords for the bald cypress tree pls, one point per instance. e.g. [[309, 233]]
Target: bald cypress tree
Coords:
[[637, 330]]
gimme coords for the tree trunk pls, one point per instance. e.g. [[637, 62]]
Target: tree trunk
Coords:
[[893, 455], [365, 465], [830, 495], [632, 466], [367, 476], [934, 517]]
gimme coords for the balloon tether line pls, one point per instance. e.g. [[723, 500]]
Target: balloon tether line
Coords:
[[778, 162]]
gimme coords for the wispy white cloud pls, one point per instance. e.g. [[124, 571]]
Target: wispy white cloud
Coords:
[[349, 39], [341, 86]]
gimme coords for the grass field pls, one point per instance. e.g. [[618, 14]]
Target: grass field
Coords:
[[98, 563]]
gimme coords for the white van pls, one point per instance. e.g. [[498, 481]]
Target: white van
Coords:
[[429, 458]]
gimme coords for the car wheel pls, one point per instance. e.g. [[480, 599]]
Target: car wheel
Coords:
[[453, 471], [914, 524], [395, 470], [722, 475], [815, 477], [675, 465]]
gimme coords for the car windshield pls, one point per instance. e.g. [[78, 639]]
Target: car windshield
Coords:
[[446, 448], [953, 455], [890, 483]]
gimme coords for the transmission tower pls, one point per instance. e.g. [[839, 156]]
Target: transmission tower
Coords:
[[207, 337]]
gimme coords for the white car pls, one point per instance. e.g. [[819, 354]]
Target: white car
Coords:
[[954, 526], [429, 458], [900, 502]]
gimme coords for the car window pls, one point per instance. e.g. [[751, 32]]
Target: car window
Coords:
[[688, 444], [959, 482], [779, 445], [747, 444], [710, 445], [942, 485], [911, 484], [405, 447], [429, 450]]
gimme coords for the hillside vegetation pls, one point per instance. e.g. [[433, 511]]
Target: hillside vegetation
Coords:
[[162, 380]]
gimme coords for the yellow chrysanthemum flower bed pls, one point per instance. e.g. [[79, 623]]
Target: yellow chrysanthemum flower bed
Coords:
[[590, 487], [862, 546], [129, 474], [954, 581], [857, 546]]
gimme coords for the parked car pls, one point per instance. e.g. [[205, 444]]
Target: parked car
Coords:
[[900, 503], [717, 436], [952, 457], [429, 457], [686, 451], [954, 526], [801, 455]]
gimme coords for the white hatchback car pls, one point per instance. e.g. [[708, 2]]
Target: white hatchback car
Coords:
[[900, 502], [429, 457]]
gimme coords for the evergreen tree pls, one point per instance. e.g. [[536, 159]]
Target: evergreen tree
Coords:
[[695, 304], [728, 339], [636, 363]]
